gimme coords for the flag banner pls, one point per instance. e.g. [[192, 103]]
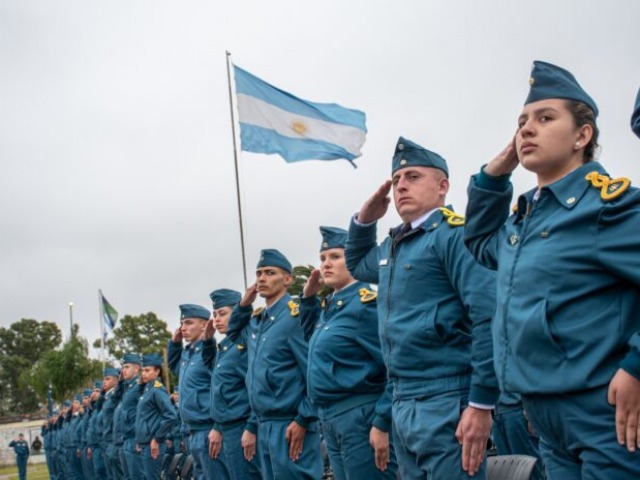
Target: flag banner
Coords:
[[109, 314], [274, 121]]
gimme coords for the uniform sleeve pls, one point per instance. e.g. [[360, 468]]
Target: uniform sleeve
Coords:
[[174, 352], [361, 252], [209, 351], [619, 252], [487, 211], [238, 321], [167, 412], [635, 119], [252, 423], [306, 410], [309, 314], [382, 417], [476, 287]]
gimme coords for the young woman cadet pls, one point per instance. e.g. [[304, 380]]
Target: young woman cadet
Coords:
[[346, 376], [566, 324]]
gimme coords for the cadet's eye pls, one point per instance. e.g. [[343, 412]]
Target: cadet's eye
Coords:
[[544, 119]]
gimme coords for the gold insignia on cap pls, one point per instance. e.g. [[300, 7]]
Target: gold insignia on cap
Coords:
[[532, 80], [400, 146], [609, 188], [403, 161], [571, 200], [325, 245], [367, 295]]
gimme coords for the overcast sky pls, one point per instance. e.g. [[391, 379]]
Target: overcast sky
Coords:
[[115, 137]]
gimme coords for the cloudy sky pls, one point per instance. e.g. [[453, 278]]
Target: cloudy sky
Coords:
[[116, 156]]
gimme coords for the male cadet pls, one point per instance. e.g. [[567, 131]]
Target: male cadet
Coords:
[[72, 439], [635, 118], [110, 402], [82, 433], [124, 417], [434, 312], [94, 432], [51, 446], [21, 449], [192, 364], [276, 376], [233, 429]]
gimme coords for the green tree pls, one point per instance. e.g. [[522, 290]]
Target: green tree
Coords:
[[67, 370], [141, 334], [300, 276], [22, 345]]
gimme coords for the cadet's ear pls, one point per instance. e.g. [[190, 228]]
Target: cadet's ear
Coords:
[[288, 278]]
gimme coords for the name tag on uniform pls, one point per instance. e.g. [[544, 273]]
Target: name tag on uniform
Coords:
[[384, 262]]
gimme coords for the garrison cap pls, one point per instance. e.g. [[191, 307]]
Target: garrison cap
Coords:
[[67, 403], [550, 81], [131, 358], [97, 385], [152, 360], [189, 310], [635, 119], [223, 297], [332, 237], [111, 372], [78, 398], [87, 392], [271, 257], [410, 154]]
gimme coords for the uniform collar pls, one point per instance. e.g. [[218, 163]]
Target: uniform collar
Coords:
[[275, 309], [347, 292], [427, 222]]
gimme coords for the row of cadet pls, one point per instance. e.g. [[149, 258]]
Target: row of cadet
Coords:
[[474, 322]]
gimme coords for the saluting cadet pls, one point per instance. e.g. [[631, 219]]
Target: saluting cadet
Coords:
[[65, 420], [566, 326], [434, 314], [94, 433], [192, 365], [124, 417], [73, 438], [21, 449], [346, 376], [635, 118], [233, 432], [50, 445], [155, 416], [110, 402], [276, 375], [82, 433]]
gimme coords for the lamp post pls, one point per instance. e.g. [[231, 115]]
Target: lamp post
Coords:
[[71, 318]]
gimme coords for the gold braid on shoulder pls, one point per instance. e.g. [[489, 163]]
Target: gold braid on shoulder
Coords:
[[609, 188], [452, 217]]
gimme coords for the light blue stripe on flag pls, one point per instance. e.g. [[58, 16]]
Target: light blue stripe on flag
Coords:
[[274, 121]]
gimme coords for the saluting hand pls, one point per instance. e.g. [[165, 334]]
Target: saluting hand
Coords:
[[295, 438], [313, 285], [379, 441], [624, 393], [209, 330], [472, 433], [177, 335], [505, 162], [215, 443], [249, 296], [248, 443], [376, 206]]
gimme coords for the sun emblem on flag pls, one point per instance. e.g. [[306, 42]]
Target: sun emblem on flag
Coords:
[[299, 127]]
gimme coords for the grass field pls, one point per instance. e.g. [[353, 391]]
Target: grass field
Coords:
[[34, 472]]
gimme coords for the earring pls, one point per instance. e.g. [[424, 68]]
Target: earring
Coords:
[[577, 146]]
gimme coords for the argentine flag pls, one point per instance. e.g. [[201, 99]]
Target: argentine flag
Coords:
[[274, 121]]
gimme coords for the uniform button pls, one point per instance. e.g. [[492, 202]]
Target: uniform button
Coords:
[[407, 267], [571, 200], [544, 234]]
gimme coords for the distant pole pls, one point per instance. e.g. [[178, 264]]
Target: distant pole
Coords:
[[71, 319], [101, 317], [235, 158]]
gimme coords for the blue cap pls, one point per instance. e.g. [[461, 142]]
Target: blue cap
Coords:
[[55, 412], [111, 372], [97, 385], [635, 119], [176, 390], [410, 154], [189, 310], [271, 257], [87, 392], [132, 358], [67, 403], [550, 81], [78, 398], [152, 360], [332, 237], [223, 297]]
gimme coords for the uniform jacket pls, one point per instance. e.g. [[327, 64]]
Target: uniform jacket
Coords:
[[20, 447], [434, 305], [568, 270], [110, 402], [155, 414], [124, 416]]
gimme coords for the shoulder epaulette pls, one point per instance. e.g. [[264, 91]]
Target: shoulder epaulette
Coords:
[[367, 295], [514, 209], [294, 307], [158, 384], [453, 219], [257, 311], [609, 188]]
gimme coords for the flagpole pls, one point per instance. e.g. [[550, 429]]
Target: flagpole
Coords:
[[235, 158], [101, 316]]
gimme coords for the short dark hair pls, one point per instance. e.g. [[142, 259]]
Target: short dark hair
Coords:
[[583, 115]]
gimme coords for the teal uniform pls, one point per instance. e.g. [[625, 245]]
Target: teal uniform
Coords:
[[94, 439], [434, 313], [635, 119], [230, 409], [110, 453], [566, 319], [347, 379], [276, 382], [124, 419], [83, 427], [21, 449], [155, 419]]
